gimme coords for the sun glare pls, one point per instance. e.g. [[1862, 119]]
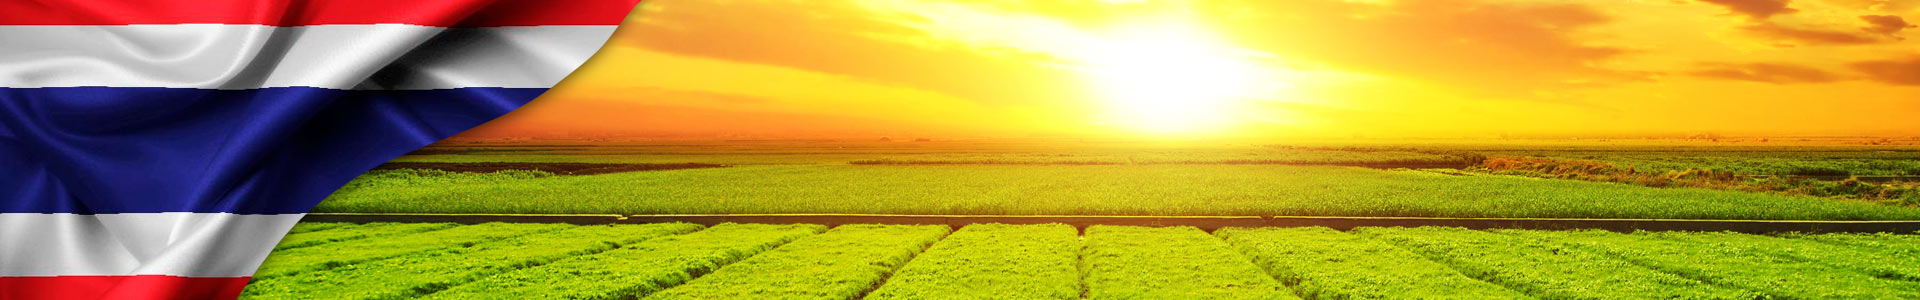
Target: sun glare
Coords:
[[1171, 79]]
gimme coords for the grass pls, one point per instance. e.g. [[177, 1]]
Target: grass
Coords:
[[306, 239], [842, 263], [1170, 263], [1676, 179], [1810, 161], [1545, 270], [1079, 190], [1902, 245], [422, 273], [1782, 277], [634, 271], [993, 261], [1746, 156], [1876, 263], [758, 261], [310, 259], [1322, 263], [1892, 193]]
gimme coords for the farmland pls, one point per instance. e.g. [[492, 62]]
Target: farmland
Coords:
[[637, 270], [1118, 260], [995, 177], [842, 263], [314, 259], [429, 271], [993, 261], [684, 261], [1655, 179], [1326, 264], [1782, 276], [1547, 270]]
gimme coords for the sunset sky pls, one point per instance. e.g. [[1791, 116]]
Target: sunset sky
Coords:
[[1246, 68]]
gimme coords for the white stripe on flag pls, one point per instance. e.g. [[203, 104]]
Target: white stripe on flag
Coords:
[[177, 244], [235, 57]]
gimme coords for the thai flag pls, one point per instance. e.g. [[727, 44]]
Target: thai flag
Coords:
[[158, 149]]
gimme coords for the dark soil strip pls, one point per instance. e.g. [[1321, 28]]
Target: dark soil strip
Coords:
[[1208, 223], [555, 168]]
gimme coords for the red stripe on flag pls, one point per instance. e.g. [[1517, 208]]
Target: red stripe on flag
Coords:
[[438, 13], [121, 287]]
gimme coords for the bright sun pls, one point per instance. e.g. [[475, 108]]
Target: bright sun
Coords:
[[1171, 79]]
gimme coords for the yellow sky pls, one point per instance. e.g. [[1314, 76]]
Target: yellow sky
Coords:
[[1257, 68]]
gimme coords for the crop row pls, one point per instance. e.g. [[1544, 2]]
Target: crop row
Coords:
[[1739, 267], [1144, 262], [1323, 263], [1054, 261], [1907, 246], [842, 263], [993, 261], [1876, 262], [430, 271], [309, 259], [312, 238], [1546, 270], [637, 270]]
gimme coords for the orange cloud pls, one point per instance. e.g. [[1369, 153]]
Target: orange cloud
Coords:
[[1765, 72], [1811, 36], [1759, 9], [1893, 71], [1885, 24]]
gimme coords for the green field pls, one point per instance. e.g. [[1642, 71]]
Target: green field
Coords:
[[1079, 190], [632, 271], [991, 261], [1121, 262], [1660, 179], [1119, 178], [842, 263]]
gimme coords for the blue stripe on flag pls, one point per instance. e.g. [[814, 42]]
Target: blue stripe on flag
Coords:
[[101, 150]]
